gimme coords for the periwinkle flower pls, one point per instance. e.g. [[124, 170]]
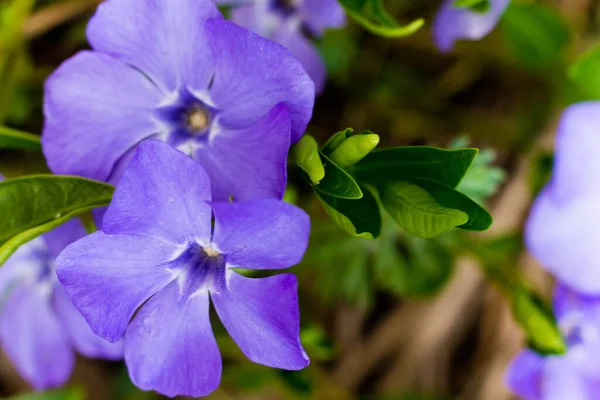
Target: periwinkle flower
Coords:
[[452, 23], [40, 329], [149, 274], [573, 376], [561, 231], [176, 71], [285, 21]]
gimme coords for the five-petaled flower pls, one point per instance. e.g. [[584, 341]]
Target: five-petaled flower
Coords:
[[573, 376], [149, 274], [285, 21], [453, 23], [176, 71], [40, 329]]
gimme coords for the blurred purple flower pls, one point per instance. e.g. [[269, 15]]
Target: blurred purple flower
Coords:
[[573, 376], [148, 275], [452, 23], [176, 71], [284, 21], [40, 329], [561, 231]]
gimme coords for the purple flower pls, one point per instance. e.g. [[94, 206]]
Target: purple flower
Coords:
[[573, 376], [561, 230], [452, 23], [176, 71], [284, 21], [147, 276], [40, 329]]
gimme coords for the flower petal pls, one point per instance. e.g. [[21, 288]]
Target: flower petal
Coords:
[[563, 381], [96, 108], [161, 195], [525, 375], [263, 318], [109, 276], [452, 23], [322, 14], [33, 338], [290, 35], [249, 163], [163, 38], [253, 75], [562, 237], [577, 142], [261, 234], [170, 347], [84, 340], [62, 236]]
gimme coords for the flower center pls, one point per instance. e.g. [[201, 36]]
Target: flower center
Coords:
[[285, 7], [577, 330], [197, 119], [202, 269]]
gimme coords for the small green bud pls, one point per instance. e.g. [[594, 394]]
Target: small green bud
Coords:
[[354, 149], [335, 140], [306, 155]]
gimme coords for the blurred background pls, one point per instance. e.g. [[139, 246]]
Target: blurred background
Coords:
[[399, 317]]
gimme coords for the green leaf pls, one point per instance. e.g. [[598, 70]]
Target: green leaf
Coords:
[[14, 139], [34, 205], [417, 212], [371, 14], [63, 394], [584, 74], [414, 162], [536, 33], [479, 218], [359, 217], [337, 182], [354, 149], [480, 6], [536, 318], [306, 156], [335, 140]]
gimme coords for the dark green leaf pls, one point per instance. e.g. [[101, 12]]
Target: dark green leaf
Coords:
[[372, 15], [34, 205], [334, 141], [14, 139], [360, 217], [536, 318], [584, 73], [63, 394], [479, 218], [480, 6], [306, 156], [414, 162], [337, 182], [417, 212]]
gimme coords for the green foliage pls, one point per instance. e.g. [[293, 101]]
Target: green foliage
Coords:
[[535, 316], [336, 139], [52, 201], [480, 6], [337, 182], [306, 156], [63, 394], [371, 14], [354, 149], [584, 74], [414, 162], [536, 34], [416, 211], [14, 139]]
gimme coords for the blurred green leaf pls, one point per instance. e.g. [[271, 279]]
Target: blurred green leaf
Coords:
[[480, 6], [354, 149], [317, 344], [541, 171], [357, 217], [63, 394], [372, 15], [337, 182], [417, 212], [306, 156], [34, 205], [535, 316], [413, 162], [584, 74], [14, 139], [479, 218], [536, 33]]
